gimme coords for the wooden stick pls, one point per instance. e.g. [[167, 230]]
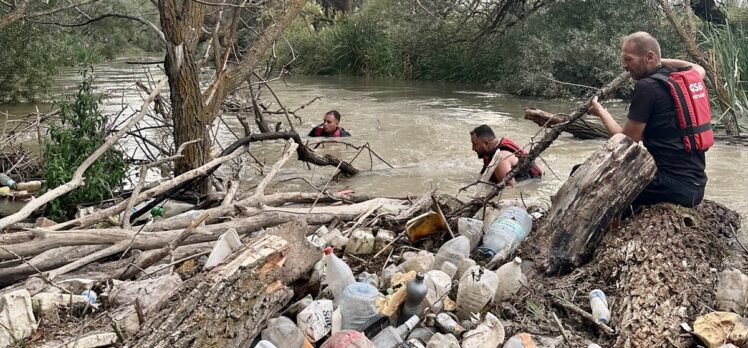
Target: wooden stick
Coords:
[[561, 327], [444, 218], [77, 179], [259, 196], [582, 313]]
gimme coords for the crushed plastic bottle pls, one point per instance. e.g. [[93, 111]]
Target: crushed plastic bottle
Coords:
[[315, 321], [517, 214], [476, 289], [282, 332], [390, 336], [347, 339], [439, 340], [438, 284], [265, 344], [599, 304], [416, 291], [453, 251], [5, 180], [503, 237], [489, 334], [369, 278], [449, 268], [472, 229], [521, 340], [337, 275], [510, 278], [448, 324], [358, 305]]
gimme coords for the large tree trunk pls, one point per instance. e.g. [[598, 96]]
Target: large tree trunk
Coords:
[[583, 207], [226, 307], [580, 129]]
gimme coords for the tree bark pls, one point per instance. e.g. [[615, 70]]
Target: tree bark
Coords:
[[580, 129], [583, 207], [226, 307]]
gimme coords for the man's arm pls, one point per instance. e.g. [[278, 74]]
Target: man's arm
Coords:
[[680, 64], [632, 129], [504, 166]]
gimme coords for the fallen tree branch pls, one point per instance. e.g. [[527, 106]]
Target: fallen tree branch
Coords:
[[77, 179], [580, 129], [583, 314], [259, 196]]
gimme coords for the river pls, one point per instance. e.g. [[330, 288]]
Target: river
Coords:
[[421, 128]]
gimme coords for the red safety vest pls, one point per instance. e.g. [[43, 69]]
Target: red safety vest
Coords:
[[509, 145], [318, 132], [692, 109]]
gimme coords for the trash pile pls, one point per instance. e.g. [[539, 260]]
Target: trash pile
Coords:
[[378, 273], [10, 189]]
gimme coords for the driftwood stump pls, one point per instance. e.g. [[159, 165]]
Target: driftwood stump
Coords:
[[583, 207], [226, 307]]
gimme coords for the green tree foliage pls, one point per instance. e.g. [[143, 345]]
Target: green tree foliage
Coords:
[[81, 130]]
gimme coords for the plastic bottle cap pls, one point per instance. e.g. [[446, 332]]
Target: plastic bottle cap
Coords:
[[517, 260], [419, 276], [328, 250]]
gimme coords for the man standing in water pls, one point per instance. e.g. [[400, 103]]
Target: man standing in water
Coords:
[[488, 147], [329, 126], [670, 112]]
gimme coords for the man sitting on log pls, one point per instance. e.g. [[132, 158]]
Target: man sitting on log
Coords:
[[329, 127], [488, 147], [670, 112]]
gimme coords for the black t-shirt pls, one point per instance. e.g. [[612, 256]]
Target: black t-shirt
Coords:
[[652, 104]]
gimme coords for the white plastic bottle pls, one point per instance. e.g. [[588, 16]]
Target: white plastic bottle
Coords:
[[453, 251], [504, 235], [391, 337], [476, 289], [282, 332], [510, 278], [599, 304], [358, 305], [337, 275]]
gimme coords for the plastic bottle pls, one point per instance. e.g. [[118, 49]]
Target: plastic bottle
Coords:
[[90, 295], [449, 268], [265, 344], [504, 235], [337, 275], [358, 305], [599, 304], [29, 186], [593, 345], [517, 214], [282, 332], [438, 284], [7, 181], [522, 340], [510, 278], [390, 337], [448, 324], [476, 289], [453, 251], [416, 291], [472, 229]]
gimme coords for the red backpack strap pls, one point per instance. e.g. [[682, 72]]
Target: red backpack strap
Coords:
[[337, 133], [318, 131], [514, 148]]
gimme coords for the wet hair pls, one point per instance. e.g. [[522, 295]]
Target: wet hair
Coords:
[[334, 113], [643, 42], [483, 132]]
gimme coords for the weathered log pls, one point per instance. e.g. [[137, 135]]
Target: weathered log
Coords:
[[226, 307], [603, 185], [45, 261], [581, 129]]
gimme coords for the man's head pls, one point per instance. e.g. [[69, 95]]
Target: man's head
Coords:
[[640, 54], [331, 120], [483, 139]]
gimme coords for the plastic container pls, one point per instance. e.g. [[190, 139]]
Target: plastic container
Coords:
[[593, 345], [448, 324], [315, 321], [476, 289], [510, 278], [449, 268], [366, 277], [522, 340], [517, 214], [5, 180], [265, 344], [472, 229], [504, 235], [599, 304], [391, 337], [29, 186], [337, 275], [453, 251], [90, 295], [283, 333], [347, 339], [416, 291], [443, 341], [438, 284], [358, 305]]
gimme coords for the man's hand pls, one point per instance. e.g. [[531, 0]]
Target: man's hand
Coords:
[[596, 108]]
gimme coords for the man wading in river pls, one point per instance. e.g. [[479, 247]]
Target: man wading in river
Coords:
[[488, 147], [329, 127], [670, 112]]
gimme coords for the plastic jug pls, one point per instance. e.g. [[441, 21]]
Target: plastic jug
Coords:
[[472, 229], [510, 278], [391, 337], [416, 291], [599, 304], [453, 251], [283, 333], [504, 235], [438, 284], [522, 340], [315, 321], [476, 289], [517, 214], [358, 305], [337, 275]]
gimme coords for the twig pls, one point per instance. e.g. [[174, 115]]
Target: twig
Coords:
[[563, 331], [583, 314], [738, 239], [259, 196], [139, 311], [441, 214], [148, 275]]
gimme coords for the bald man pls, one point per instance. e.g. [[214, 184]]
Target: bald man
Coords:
[[653, 118]]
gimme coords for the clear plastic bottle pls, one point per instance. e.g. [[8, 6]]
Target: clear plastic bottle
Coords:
[[5, 180], [472, 229], [416, 291], [337, 275], [283, 333], [521, 340], [599, 304], [476, 289], [518, 214], [510, 278], [453, 251], [391, 337], [265, 344], [504, 235], [357, 305]]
